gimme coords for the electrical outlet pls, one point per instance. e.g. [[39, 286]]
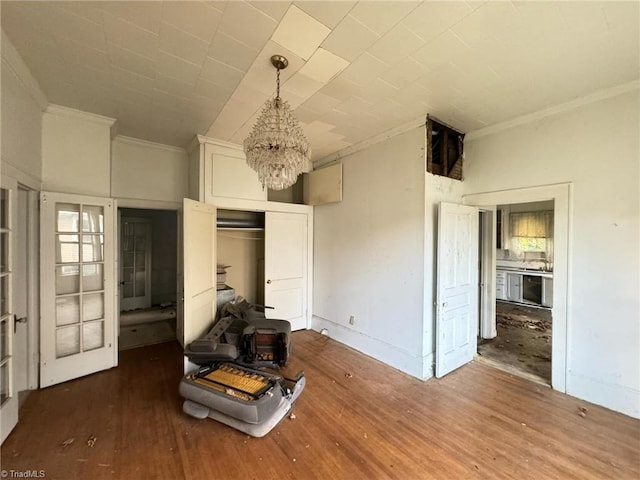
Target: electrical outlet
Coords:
[[352, 320]]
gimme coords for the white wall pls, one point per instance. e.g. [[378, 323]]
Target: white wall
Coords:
[[148, 171], [21, 106], [76, 152], [595, 147], [368, 253]]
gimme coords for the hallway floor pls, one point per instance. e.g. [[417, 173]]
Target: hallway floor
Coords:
[[523, 341]]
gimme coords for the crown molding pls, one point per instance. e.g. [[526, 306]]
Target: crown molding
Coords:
[[61, 111], [594, 97], [201, 139], [381, 137], [14, 62], [149, 144]]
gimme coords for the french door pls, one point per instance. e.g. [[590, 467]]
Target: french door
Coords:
[[8, 393], [77, 271], [135, 263]]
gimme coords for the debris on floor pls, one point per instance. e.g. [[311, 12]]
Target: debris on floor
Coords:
[[91, 441], [68, 442], [523, 341]]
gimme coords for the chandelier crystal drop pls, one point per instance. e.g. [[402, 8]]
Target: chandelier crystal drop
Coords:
[[277, 148]]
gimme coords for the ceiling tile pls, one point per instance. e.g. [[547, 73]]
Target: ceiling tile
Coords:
[[275, 10], [430, 19], [404, 73], [172, 85], [489, 20], [300, 85], [88, 10], [350, 39], [329, 13], [177, 68], [131, 61], [199, 19], [130, 36], [381, 16], [443, 49], [340, 89], [378, 89], [131, 80], [364, 70], [232, 52], [147, 15], [396, 45], [221, 73], [300, 33], [75, 52], [182, 45], [323, 66], [320, 103], [81, 30], [209, 89], [242, 21]]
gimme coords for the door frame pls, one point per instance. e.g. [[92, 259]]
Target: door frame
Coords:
[[487, 267], [562, 195], [148, 259]]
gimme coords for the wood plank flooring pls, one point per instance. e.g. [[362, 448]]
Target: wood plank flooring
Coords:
[[357, 418]]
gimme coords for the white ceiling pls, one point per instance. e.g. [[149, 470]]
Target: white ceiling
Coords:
[[169, 70]]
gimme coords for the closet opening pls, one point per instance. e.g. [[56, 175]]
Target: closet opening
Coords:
[[148, 242]]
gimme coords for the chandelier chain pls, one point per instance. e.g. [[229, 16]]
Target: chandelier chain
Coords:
[[278, 84]]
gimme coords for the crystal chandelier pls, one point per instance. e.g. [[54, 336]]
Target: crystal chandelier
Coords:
[[276, 148]]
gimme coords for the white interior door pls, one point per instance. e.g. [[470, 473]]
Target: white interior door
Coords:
[[78, 299], [135, 263], [8, 391], [199, 257], [457, 287], [286, 267]]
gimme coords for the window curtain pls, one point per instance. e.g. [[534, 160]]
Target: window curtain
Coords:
[[533, 225]]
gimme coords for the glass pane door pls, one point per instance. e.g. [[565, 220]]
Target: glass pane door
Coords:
[[79, 278], [135, 241], [8, 395]]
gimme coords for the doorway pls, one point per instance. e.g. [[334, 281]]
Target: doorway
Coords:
[[522, 334], [555, 293], [148, 269]]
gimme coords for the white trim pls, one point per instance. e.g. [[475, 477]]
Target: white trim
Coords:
[[201, 139], [33, 272], [22, 178], [555, 110], [562, 194], [147, 143], [381, 137], [148, 204], [374, 347], [12, 59], [61, 111]]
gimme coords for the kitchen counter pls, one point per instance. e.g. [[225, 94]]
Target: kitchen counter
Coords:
[[526, 271]]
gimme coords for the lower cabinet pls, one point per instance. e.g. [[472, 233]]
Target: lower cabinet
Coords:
[[514, 287], [547, 292], [501, 285]]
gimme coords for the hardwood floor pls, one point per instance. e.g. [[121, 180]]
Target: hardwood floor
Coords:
[[357, 418]]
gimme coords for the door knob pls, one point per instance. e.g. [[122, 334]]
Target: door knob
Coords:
[[268, 281]]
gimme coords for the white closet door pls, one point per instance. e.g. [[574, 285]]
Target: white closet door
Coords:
[[286, 267], [199, 234], [457, 287], [8, 393], [77, 271]]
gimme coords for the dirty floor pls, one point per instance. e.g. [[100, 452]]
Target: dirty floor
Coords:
[[523, 341]]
